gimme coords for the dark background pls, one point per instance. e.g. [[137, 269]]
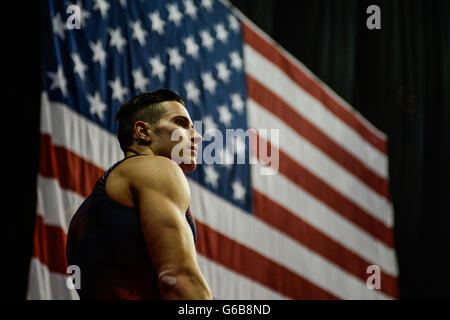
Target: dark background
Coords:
[[397, 77]]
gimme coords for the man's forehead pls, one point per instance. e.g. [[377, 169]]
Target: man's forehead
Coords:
[[174, 108]]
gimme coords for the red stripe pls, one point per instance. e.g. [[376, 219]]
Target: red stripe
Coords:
[[319, 189], [286, 222], [50, 246], [274, 104], [284, 280], [249, 263], [74, 172], [312, 86]]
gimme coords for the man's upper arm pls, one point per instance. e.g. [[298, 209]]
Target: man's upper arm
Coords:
[[162, 196]]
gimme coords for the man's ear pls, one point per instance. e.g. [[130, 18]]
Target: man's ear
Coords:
[[143, 132]]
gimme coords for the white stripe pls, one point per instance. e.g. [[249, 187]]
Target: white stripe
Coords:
[[46, 285], [228, 285], [301, 101], [320, 164], [243, 228], [323, 218], [55, 204], [77, 133]]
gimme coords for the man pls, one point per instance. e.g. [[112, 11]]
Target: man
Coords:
[[134, 236]]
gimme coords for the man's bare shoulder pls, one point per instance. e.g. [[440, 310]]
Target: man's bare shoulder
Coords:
[[154, 171]]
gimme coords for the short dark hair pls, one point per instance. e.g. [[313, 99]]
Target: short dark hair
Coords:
[[143, 107]]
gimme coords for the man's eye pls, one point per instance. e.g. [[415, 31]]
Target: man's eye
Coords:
[[181, 122]]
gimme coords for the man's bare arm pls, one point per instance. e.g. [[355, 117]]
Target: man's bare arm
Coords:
[[162, 194]]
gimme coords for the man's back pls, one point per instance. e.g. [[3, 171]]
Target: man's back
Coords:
[[106, 241]]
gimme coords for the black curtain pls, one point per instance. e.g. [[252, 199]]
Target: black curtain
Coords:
[[21, 89], [398, 77]]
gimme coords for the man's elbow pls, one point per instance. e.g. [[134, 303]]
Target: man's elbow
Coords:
[[185, 284]]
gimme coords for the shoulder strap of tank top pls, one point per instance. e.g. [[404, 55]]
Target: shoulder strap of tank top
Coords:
[[106, 174], [134, 155]]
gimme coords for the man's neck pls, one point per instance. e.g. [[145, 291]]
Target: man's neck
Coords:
[[135, 150]]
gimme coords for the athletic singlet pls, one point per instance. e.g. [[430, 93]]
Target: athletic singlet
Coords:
[[105, 241]]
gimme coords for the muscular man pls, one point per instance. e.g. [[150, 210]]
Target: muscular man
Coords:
[[134, 236]]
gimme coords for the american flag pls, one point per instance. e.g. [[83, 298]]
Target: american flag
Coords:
[[309, 231]]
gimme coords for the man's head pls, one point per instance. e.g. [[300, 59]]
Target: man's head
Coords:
[[148, 121]]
